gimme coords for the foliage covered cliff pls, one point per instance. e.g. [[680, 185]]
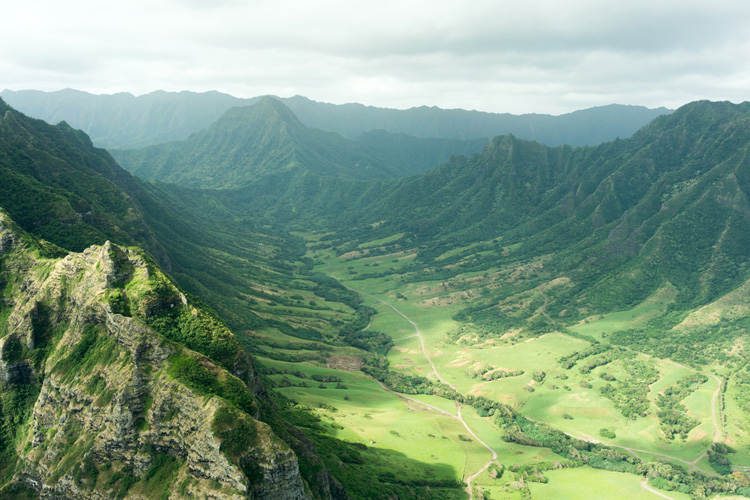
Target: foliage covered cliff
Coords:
[[113, 383]]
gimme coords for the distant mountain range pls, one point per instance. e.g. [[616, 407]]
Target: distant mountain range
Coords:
[[125, 121]]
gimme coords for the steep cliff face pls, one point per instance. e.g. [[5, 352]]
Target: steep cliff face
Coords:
[[101, 398]]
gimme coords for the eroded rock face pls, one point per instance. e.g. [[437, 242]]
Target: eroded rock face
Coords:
[[113, 411], [283, 480]]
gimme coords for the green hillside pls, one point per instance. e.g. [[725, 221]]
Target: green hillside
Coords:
[[667, 205], [64, 189]]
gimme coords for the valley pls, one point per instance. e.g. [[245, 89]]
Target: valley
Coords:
[[525, 321], [564, 399]]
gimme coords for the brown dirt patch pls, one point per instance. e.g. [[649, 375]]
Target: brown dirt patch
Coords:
[[511, 333], [698, 436], [447, 300], [404, 350], [354, 253], [561, 281], [594, 411], [349, 363]]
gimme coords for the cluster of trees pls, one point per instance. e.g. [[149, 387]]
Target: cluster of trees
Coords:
[[631, 394], [693, 346], [717, 457], [489, 372], [741, 393], [595, 362], [671, 477], [570, 361], [376, 343], [673, 416], [607, 433]]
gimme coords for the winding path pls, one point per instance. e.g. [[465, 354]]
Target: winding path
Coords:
[[421, 340], [459, 415], [716, 402], [644, 483]]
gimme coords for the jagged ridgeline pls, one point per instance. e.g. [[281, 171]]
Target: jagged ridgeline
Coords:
[[669, 205], [112, 383]]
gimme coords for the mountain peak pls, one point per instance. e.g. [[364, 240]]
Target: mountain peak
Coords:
[[266, 109], [251, 142]]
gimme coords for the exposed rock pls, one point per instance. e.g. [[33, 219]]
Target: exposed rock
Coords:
[[113, 412]]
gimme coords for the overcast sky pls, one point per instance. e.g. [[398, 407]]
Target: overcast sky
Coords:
[[543, 56]]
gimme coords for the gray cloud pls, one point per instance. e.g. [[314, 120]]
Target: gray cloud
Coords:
[[535, 56]]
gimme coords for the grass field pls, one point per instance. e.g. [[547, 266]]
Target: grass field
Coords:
[[737, 429], [584, 483], [425, 442], [509, 453], [622, 320], [362, 412]]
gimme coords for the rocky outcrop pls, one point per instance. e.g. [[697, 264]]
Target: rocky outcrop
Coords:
[[123, 407]]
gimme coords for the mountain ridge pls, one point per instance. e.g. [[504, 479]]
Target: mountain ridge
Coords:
[[124, 121], [684, 175]]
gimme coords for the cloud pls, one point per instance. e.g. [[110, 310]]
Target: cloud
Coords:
[[538, 55]]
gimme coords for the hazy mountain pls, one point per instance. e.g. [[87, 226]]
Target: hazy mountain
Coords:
[[586, 127], [412, 155], [125, 121], [252, 142]]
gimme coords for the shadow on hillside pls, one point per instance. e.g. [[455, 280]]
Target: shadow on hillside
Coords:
[[367, 471]]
